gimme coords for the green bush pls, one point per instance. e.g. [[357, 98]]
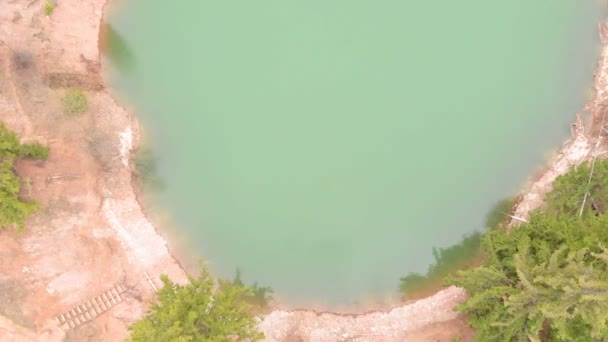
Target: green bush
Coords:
[[35, 151], [569, 191], [546, 280], [199, 311], [74, 102], [49, 7], [13, 210]]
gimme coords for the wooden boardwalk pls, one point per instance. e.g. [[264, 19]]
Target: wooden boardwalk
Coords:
[[92, 308]]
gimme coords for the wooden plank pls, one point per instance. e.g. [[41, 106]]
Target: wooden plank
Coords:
[[90, 309], [97, 310]]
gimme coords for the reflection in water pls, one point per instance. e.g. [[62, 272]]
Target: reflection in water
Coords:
[[259, 297], [465, 254], [146, 169], [500, 214], [115, 47]]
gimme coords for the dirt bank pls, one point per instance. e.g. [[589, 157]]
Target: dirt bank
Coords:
[[91, 233]]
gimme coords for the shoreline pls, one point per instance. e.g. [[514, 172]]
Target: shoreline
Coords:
[[574, 150], [529, 200], [143, 249]]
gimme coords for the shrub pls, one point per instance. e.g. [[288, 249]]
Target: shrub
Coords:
[[35, 151], [74, 102], [49, 7], [13, 210], [569, 190], [546, 280], [198, 311]]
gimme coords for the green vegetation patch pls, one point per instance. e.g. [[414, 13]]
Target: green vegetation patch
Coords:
[[14, 210], [74, 102], [201, 310], [49, 7], [546, 280], [580, 188]]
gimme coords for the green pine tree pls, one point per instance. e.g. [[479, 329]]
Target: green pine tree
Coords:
[[198, 311], [13, 210], [546, 280]]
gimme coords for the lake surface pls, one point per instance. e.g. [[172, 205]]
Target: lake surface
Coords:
[[325, 148]]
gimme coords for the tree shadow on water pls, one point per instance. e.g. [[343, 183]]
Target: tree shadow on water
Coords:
[[146, 170], [114, 46], [258, 297], [501, 212], [465, 254]]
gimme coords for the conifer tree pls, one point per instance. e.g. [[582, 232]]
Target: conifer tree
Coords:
[[198, 311], [13, 210], [546, 280]]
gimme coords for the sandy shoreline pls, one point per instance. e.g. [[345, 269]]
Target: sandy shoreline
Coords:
[[111, 238]]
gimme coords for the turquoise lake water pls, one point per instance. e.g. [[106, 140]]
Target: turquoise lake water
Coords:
[[324, 148]]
